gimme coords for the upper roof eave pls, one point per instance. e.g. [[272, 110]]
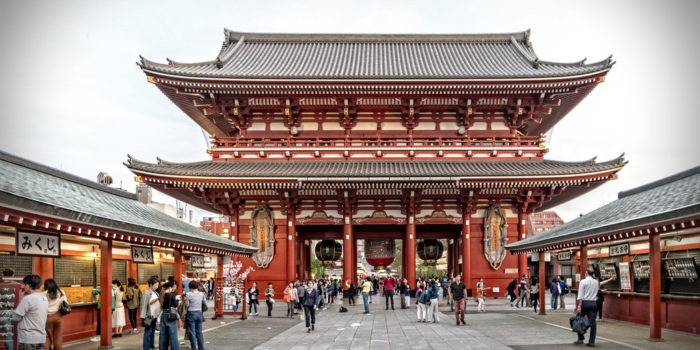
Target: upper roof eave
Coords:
[[234, 36]]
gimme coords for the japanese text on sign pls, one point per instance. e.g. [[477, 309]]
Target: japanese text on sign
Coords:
[[142, 255], [564, 256], [620, 249], [625, 278], [38, 244], [197, 261]]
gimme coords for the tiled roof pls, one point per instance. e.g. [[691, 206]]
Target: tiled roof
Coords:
[[34, 188], [372, 56], [673, 197], [343, 169]]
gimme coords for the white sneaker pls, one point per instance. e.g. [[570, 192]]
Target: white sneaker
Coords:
[[95, 338]]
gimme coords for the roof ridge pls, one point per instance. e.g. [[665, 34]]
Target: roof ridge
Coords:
[[26, 163], [660, 182]]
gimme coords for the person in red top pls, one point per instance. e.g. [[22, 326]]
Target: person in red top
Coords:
[[389, 283]]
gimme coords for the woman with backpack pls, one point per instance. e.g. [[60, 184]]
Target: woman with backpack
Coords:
[[433, 313], [54, 320], [555, 289], [133, 301], [564, 291]]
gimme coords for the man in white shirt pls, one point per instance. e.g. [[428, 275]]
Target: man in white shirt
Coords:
[[586, 304], [31, 314]]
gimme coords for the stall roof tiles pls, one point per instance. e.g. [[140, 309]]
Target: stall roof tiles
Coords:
[[677, 196], [261, 56], [35, 188]]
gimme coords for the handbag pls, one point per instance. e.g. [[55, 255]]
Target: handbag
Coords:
[[579, 324], [205, 307], [148, 321], [182, 310], [65, 309], [173, 314], [287, 298]]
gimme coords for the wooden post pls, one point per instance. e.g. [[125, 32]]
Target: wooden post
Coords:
[[411, 250], [43, 267], [348, 255], [105, 294], [654, 287], [449, 259], [542, 283], [218, 288], [302, 261], [466, 248], [291, 245], [177, 269], [455, 257], [522, 234], [584, 264]]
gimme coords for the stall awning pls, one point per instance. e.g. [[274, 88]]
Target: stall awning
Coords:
[[35, 189], [672, 203]]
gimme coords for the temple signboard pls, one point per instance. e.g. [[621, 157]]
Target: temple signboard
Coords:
[[262, 235], [495, 238]]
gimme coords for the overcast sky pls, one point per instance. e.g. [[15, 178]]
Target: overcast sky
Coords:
[[74, 98]]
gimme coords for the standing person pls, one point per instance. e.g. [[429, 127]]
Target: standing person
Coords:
[[253, 298], [389, 283], [96, 293], [133, 301], [420, 302], [534, 292], [366, 289], [511, 291], [300, 294], [586, 304], [481, 295], [31, 313], [54, 319], [564, 291], [290, 297], [600, 297], [457, 289], [310, 301], [118, 319], [150, 311], [402, 292], [194, 318], [210, 288], [329, 292], [523, 297], [433, 314], [168, 325], [269, 298], [350, 291], [555, 289]]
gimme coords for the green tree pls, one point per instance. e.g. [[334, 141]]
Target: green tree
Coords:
[[317, 268]]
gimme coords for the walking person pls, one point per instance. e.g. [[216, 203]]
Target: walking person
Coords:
[[253, 293], [403, 288], [31, 314], [310, 301], [290, 297], [421, 299], [150, 312], [169, 318], [269, 299], [194, 318], [433, 314], [586, 305], [457, 290], [511, 291], [481, 295], [389, 283], [523, 296], [118, 317], [133, 301], [54, 319], [300, 293], [555, 289], [366, 289], [534, 292], [564, 291]]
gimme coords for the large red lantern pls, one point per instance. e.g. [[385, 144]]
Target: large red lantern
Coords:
[[328, 251], [430, 250], [380, 253]]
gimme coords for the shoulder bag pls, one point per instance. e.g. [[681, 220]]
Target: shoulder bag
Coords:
[[205, 307], [181, 308]]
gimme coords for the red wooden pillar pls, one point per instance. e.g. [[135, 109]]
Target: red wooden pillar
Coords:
[[43, 267], [348, 240], [584, 264], [302, 260], [291, 244], [466, 248], [654, 287], [218, 288], [177, 269], [449, 259], [542, 283], [411, 250], [522, 234], [105, 294], [455, 257], [233, 218], [132, 270]]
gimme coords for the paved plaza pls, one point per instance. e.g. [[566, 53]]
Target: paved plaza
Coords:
[[501, 327]]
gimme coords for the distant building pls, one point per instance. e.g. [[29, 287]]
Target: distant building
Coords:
[[543, 221], [220, 226], [144, 194]]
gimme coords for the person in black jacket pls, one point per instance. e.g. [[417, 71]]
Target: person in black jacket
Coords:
[[168, 323], [253, 293], [511, 290], [310, 303]]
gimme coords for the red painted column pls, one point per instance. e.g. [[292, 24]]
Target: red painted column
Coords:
[[654, 287], [411, 250], [43, 267], [302, 260], [348, 254], [542, 283], [177, 269], [466, 248], [522, 234], [106, 293], [218, 288], [455, 257], [584, 264], [449, 259], [291, 245]]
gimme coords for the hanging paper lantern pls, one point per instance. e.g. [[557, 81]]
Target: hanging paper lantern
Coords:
[[430, 250], [380, 253], [328, 251]]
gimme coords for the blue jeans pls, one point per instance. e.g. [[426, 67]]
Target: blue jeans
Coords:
[[149, 336], [365, 297], [168, 333], [555, 299], [194, 328]]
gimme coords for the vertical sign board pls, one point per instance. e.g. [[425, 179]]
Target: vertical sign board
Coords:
[[197, 261], [38, 244], [619, 249], [625, 278], [142, 255]]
